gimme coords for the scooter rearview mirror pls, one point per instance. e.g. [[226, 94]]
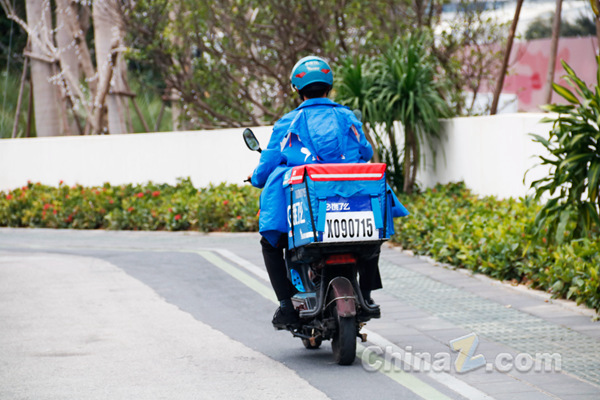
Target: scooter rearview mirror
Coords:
[[251, 140]]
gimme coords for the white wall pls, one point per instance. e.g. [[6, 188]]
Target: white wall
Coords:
[[205, 156], [491, 154]]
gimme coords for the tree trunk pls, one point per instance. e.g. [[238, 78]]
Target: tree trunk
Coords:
[[598, 33], [553, 50], [596, 9], [45, 93], [176, 117], [65, 38], [409, 159], [69, 61], [511, 37], [20, 98], [107, 29]]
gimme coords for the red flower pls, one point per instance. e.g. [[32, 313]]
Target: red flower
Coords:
[[177, 217], [60, 182], [9, 197], [225, 202], [111, 201], [67, 196], [156, 193], [239, 217], [43, 214], [54, 211], [47, 206], [170, 210], [140, 195], [130, 209], [96, 192], [544, 240], [24, 188]]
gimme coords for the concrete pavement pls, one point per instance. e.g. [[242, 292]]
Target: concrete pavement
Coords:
[[81, 328]]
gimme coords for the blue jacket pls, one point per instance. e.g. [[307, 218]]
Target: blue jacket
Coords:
[[318, 131]]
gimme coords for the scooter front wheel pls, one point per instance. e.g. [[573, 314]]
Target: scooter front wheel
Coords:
[[343, 343]]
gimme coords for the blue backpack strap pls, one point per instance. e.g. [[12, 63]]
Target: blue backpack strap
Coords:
[[376, 207]]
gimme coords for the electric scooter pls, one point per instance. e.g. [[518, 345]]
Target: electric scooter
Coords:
[[330, 239]]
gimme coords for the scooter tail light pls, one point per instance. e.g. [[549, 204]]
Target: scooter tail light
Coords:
[[340, 259]]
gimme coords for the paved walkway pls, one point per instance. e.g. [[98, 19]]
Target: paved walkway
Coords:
[[521, 332]]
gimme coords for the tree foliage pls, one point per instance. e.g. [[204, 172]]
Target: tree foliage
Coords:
[[469, 48], [12, 40], [228, 62], [541, 27]]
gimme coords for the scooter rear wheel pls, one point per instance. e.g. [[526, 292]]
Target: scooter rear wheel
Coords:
[[343, 343]]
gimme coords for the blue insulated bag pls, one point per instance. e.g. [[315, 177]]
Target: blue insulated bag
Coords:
[[337, 203]]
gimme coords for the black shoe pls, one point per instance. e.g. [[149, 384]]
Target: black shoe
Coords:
[[371, 303], [283, 320]]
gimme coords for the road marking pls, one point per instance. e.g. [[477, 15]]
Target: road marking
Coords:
[[409, 381], [451, 382], [242, 262], [240, 275]]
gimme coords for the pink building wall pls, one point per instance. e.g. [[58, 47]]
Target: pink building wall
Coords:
[[528, 68]]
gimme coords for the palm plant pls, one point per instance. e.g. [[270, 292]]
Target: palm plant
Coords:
[[405, 90], [398, 85], [352, 85]]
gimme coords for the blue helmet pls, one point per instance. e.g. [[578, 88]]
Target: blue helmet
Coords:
[[309, 70]]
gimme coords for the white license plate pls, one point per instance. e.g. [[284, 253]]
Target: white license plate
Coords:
[[350, 226]]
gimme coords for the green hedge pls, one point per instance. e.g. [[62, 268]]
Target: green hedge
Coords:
[[229, 208], [496, 237], [447, 223]]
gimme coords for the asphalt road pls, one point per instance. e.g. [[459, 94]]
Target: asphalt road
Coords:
[[146, 315]]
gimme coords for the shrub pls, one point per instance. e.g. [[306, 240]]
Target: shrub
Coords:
[[132, 207]]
